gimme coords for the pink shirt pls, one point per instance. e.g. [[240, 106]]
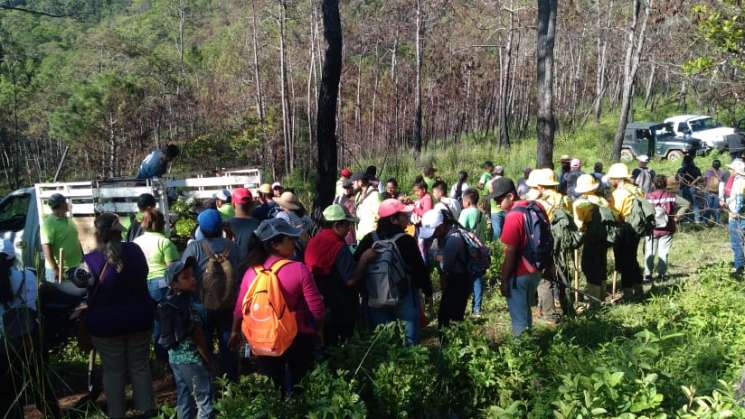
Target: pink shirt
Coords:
[[300, 292], [423, 204]]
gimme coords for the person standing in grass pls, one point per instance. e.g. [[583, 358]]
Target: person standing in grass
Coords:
[[452, 259], [486, 177], [588, 217], [669, 208], [445, 202], [160, 252], [734, 199], [627, 242], [459, 187], [473, 220], [367, 202], [712, 178], [58, 232], [519, 279], [273, 249], [182, 320]]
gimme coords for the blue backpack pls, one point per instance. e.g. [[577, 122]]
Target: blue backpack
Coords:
[[540, 245]]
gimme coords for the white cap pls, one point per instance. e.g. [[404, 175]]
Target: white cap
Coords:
[[643, 158], [275, 184], [8, 250], [430, 221], [223, 195]]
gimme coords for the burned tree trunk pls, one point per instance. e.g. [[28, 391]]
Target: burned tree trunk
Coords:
[[546, 124], [331, 74]]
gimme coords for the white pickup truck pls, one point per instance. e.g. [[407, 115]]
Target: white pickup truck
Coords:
[[22, 211], [701, 127]]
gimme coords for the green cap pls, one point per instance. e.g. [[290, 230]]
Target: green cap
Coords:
[[336, 212]]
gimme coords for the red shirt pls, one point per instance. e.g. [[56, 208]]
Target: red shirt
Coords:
[[513, 234]]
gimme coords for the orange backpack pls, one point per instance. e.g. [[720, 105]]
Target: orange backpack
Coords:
[[268, 323]]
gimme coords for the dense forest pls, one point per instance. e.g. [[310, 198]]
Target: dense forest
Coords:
[[98, 83]]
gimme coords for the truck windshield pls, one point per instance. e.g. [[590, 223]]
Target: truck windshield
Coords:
[[703, 124], [13, 210]]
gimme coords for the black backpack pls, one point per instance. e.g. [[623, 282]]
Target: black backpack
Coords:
[[174, 313], [540, 244]]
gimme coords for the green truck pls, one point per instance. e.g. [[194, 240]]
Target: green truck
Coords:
[[658, 140]]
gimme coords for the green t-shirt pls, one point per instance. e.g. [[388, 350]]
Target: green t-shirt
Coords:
[[159, 251], [60, 233], [472, 220], [226, 212], [484, 179]]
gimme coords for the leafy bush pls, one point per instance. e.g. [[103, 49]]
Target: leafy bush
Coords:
[[255, 396]]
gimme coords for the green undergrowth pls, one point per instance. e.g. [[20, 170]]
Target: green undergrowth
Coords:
[[675, 355]]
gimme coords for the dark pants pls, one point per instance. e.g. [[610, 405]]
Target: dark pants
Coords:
[[595, 262], [23, 375], [454, 300], [624, 251], [335, 332], [219, 325], [295, 362]]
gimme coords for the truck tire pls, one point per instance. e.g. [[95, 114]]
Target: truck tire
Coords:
[[674, 155], [627, 155]]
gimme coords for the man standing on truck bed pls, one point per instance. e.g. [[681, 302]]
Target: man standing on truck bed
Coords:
[[59, 232], [156, 163]]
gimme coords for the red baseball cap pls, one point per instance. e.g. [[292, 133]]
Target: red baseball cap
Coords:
[[345, 172], [393, 206], [242, 196]]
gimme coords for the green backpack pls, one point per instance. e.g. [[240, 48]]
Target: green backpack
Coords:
[[602, 229], [642, 217], [566, 234]]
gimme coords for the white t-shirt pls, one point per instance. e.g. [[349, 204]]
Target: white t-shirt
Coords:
[[454, 188], [24, 292]]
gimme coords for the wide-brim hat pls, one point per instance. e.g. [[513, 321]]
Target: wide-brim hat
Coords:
[[544, 177], [618, 171], [738, 166], [266, 189], [287, 200], [273, 227], [586, 184]]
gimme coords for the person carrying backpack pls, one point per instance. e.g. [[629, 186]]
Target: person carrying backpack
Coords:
[[594, 219], [669, 208], [22, 360], [472, 220], [181, 320], [217, 275], [279, 309], [452, 260], [528, 247], [643, 175], [622, 200], [558, 209], [336, 273], [396, 273]]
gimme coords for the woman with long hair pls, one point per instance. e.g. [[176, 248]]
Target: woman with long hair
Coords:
[[120, 316]]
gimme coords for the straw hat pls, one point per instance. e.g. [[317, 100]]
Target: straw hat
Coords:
[[586, 184], [619, 171], [738, 166], [287, 200]]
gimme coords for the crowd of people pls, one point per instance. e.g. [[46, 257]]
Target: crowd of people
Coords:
[[261, 277]]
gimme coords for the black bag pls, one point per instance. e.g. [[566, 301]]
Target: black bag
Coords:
[[19, 321]]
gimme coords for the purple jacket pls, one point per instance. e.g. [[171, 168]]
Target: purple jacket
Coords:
[[120, 304]]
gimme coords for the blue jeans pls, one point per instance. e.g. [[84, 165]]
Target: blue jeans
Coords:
[[736, 228], [407, 311], [497, 222], [219, 325], [476, 306], [712, 207], [522, 292], [194, 392], [157, 293]]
